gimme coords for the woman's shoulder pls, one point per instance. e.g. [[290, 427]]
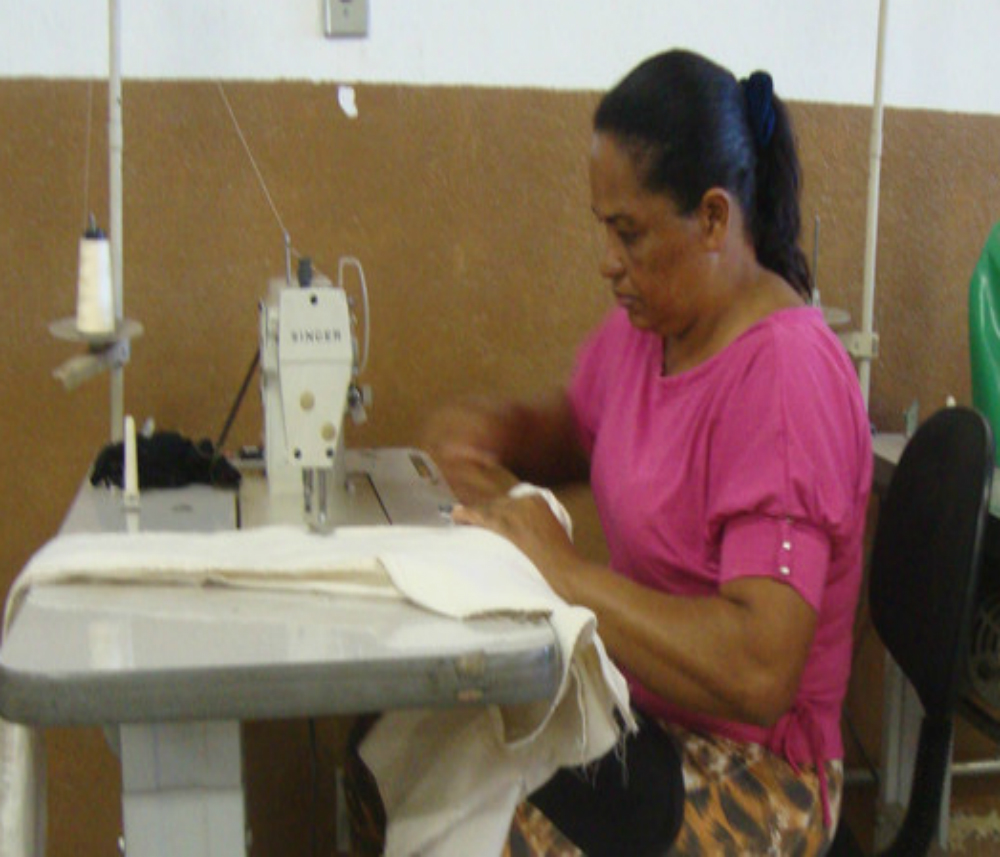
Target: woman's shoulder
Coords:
[[795, 321], [795, 334], [792, 361]]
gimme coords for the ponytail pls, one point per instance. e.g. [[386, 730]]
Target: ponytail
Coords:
[[775, 220]]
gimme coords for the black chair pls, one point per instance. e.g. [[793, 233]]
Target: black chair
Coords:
[[924, 574]]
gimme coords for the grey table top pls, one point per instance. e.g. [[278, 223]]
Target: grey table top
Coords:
[[88, 653]]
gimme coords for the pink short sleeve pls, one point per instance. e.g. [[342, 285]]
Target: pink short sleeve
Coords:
[[781, 549]]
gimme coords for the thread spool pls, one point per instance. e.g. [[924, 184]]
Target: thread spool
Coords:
[[95, 310]]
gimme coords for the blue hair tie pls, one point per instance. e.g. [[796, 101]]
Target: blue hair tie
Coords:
[[758, 92]]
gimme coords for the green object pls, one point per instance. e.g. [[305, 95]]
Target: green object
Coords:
[[984, 331]]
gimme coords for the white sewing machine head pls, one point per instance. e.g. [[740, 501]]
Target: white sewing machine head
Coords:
[[308, 369]]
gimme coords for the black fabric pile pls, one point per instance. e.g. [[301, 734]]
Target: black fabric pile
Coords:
[[166, 460]]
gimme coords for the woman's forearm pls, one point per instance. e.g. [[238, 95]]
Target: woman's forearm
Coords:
[[738, 655]]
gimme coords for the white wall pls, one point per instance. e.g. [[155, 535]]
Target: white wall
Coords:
[[941, 54]]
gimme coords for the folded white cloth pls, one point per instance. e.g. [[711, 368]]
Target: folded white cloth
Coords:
[[526, 489], [450, 780], [485, 757]]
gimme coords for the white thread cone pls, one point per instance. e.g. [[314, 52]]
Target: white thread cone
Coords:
[[95, 312]]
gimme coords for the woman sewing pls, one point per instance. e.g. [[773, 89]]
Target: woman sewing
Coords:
[[720, 424]]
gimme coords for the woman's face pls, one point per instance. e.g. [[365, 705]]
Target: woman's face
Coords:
[[651, 257]]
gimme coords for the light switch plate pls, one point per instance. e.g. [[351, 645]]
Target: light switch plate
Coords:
[[345, 18]]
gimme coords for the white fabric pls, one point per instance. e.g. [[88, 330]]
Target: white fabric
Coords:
[[450, 780], [526, 489], [476, 763]]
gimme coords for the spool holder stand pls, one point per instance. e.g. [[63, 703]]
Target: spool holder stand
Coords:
[[105, 351]]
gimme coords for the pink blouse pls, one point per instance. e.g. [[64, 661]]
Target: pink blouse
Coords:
[[756, 463]]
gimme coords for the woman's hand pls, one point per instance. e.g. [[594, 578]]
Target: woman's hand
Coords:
[[467, 442], [473, 475], [480, 445], [528, 522]]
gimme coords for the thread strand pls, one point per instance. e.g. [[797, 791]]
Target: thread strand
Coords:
[[256, 169], [86, 158]]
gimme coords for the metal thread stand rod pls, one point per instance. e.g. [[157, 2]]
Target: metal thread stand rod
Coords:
[[871, 230], [115, 147]]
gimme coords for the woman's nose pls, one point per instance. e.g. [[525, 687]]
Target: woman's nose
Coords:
[[610, 266]]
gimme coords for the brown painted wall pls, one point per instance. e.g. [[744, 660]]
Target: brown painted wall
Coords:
[[469, 209]]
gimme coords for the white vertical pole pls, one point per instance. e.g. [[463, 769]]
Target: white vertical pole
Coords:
[[115, 145], [897, 697], [871, 232]]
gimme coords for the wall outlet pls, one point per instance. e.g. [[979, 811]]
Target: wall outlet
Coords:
[[345, 18]]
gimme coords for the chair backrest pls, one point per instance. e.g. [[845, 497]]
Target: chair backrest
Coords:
[[984, 331], [927, 552]]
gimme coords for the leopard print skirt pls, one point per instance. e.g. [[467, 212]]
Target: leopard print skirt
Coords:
[[740, 801]]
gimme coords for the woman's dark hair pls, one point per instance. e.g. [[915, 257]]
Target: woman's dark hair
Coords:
[[689, 126]]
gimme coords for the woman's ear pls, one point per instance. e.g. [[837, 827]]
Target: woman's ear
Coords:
[[715, 215]]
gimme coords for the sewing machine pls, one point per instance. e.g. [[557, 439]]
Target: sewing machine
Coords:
[[307, 383], [309, 366]]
